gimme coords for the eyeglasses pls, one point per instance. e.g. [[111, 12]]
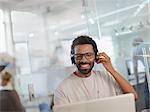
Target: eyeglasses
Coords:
[[88, 56]]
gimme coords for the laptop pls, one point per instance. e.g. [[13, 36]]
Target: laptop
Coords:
[[121, 103]]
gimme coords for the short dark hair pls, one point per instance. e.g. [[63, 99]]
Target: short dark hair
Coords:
[[80, 40]]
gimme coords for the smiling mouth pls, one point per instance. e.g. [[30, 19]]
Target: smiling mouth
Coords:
[[84, 66]]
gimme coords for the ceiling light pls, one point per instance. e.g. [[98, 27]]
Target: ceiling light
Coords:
[[82, 16], [31, 35], [123, 33], [110, 23], [91, 20]]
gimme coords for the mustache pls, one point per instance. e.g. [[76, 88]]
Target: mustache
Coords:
[[83, 63]]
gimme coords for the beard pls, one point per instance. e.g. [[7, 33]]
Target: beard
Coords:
[[85, 71]]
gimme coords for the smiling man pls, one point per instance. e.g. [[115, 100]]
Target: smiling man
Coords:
[[86, 84]]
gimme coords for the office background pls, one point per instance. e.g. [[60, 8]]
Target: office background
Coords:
[[38, 33]]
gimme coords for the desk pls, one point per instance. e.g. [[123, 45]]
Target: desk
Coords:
[[33, 106]]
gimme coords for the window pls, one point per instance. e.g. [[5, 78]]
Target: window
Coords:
[[22, 56], [2, 34]]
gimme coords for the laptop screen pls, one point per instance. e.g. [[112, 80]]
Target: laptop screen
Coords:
[[121, 103]]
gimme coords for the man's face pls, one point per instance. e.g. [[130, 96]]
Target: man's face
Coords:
[[84, 58]]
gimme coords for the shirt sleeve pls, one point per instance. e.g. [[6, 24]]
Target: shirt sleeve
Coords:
[[118, 89], [113, 85], [116, 86]]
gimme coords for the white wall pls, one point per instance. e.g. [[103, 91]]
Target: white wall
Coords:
[[44, 82]]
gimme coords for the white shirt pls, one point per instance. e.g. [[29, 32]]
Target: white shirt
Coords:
[[75, 89]]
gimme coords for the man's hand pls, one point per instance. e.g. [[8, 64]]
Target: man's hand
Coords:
[[105, 60], [124, 85]]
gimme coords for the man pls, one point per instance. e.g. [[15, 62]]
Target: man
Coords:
[[140, 49], [86, 84], [141, 53]]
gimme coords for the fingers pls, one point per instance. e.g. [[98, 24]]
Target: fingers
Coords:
[[102, 57], [101, 60]]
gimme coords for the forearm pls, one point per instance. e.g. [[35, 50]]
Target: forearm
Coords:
[[124, 85]]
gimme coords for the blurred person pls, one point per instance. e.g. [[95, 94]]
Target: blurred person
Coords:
[[140, 49], [9, 99], [7, 63], [86, 84], [141, 52]]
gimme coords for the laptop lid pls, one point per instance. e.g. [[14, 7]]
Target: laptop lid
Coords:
[[121, 103]]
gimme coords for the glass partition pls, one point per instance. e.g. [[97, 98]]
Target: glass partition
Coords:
[[2, 34], [125, 27]]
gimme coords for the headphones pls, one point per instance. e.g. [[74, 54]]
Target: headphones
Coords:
[[72, 57], [72, 60]]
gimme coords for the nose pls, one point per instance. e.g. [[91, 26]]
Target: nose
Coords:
[[83, 59]]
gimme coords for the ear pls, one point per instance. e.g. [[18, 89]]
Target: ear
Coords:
[[72, 60]]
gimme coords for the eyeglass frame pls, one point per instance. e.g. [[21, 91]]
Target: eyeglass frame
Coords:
[[85, 55]]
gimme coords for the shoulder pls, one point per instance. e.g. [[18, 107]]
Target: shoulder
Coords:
[[6, 94], [9, 93], [65, 82], [104, 75]]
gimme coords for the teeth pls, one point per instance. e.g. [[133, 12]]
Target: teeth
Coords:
[[85, 65]]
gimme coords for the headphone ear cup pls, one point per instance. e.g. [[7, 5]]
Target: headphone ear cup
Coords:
[[72, 60]]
